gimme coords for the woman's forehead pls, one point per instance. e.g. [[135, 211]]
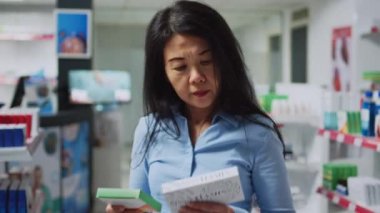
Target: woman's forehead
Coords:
[[186, 41], [178, 44]]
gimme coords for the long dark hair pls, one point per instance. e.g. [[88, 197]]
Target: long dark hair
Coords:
[[236, 95]]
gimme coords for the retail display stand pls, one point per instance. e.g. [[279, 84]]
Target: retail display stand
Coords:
[[356, 140], [343, 201], [16, 189]]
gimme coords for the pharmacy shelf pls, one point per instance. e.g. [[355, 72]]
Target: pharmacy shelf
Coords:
[[24, 153], [296, 119], [356, 140], [26, 36], [293, 165], [344, 201]]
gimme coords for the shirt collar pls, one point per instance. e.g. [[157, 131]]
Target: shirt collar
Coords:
[[226, 117], [219, 115]]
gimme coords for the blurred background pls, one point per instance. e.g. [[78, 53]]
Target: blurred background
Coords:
[[314, 65]]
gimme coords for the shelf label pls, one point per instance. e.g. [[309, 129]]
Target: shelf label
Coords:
[[351, 207], [358, 142], [335, 199], [340, 138], [378, 147]]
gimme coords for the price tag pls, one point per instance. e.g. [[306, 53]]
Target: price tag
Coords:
[[326, 134], [340, 138], [335, 199], [358, 142], [351, 207]]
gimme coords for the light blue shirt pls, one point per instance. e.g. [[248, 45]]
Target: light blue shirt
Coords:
[[253, 148]]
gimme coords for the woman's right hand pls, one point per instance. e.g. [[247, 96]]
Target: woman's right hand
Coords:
[[122, 209], [115, 209]]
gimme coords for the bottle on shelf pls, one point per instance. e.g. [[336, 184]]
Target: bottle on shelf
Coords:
[[368, 112]]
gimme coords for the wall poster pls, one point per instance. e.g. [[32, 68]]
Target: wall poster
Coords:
[[341, 58]]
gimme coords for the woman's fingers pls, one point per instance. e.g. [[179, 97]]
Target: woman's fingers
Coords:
[[114, 209], [206, 207], [122, 209]]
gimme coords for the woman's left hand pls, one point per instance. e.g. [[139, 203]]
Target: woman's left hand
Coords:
[[205, 206]]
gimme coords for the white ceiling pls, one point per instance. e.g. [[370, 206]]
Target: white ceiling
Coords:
[[237, 12], [239, 5], [139, 12]]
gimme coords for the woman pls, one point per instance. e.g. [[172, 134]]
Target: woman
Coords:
[[202, 114]]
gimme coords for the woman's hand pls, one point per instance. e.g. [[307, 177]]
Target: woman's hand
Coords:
[[205, 207], [122, 209]]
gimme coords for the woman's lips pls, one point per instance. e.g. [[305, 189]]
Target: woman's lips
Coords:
[[201, 93]]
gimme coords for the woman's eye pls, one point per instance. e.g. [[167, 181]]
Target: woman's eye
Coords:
[[180, 68], [206, 62]]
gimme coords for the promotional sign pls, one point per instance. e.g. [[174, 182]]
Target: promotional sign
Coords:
[[73, 33], [341, 56]]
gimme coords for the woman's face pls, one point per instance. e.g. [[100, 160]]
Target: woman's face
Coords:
[[190, 69]]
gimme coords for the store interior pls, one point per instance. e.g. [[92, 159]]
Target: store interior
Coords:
[[71, 77]]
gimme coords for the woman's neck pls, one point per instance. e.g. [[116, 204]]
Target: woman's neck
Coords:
[[199, 116], [198, 122]]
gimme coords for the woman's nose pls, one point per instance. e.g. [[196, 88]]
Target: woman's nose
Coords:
[[197, 76]]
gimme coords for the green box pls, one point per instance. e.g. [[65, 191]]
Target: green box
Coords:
[[333, 172], [372, 75], [131, 198], [266, 100]]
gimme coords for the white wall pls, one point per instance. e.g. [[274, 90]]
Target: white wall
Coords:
[[119, 47], [25, 57], [324, 16], [368, 47], [254, 41]]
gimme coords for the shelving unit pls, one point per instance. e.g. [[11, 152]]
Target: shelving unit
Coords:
[[24, 153], [344, 201], [356, 140], [293, 119], [303, 171], [26, 36], [374, 36], [368, 148]]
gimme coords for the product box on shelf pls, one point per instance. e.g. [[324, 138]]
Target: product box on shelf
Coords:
[[29, 117], [365, 190], [335, 172], [4, 185], [12, 135], [13, 196]]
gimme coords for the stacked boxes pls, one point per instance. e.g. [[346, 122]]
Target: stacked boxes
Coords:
[[333, 172]]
